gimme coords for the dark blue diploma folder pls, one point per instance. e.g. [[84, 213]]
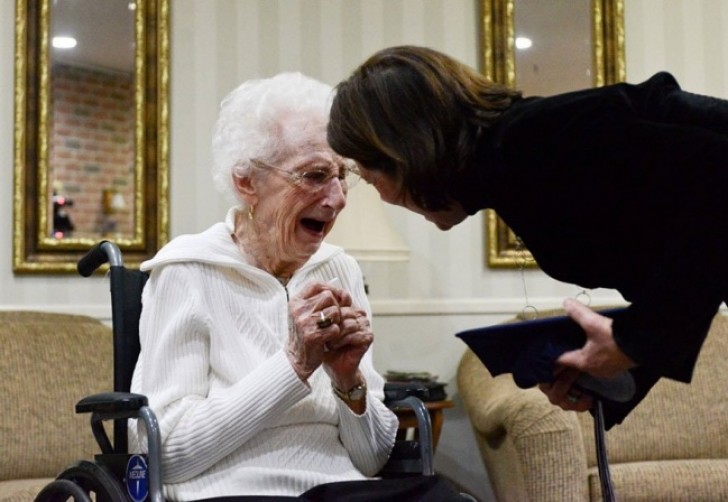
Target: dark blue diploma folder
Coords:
[[529, 349]]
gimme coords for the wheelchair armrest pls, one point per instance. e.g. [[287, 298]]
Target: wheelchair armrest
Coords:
[[424, 425], [122, 405], [112, 402], [115, 406]]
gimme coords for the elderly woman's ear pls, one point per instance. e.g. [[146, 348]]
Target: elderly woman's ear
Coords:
[[246, 188]]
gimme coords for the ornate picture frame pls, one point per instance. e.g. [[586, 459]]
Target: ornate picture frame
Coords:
[[37, 249]]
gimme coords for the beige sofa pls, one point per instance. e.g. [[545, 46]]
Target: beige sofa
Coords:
[[49, 362], [673, 447]]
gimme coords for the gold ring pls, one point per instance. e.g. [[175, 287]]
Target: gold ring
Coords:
[[572, 397], [323, 321]]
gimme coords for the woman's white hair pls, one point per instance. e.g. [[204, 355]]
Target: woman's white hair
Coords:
[[252, 119]]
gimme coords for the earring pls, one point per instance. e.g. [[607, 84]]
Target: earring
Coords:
[[251, 211]]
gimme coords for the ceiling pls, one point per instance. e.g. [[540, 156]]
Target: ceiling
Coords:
[[104, 30]]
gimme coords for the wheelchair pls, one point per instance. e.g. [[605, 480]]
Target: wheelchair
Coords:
[[115, 474]]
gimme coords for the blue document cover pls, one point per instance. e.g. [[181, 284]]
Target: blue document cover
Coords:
[[529, 349]]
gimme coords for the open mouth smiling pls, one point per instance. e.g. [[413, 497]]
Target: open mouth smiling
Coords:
[[314, 225]]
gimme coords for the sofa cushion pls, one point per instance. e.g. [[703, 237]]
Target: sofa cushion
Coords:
[[22, 490], [676, 420], [666, 481], [50, 361]]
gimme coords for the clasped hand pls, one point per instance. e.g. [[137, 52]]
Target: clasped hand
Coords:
[[600, 357], [339, 346]]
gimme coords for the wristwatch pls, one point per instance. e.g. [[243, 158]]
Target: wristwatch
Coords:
[[356, 393]]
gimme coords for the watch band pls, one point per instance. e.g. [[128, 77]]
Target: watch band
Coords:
[[356, 393]]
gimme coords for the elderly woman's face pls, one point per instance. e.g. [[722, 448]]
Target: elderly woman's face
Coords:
[[301, 196]]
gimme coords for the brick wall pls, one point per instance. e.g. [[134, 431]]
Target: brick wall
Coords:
[[92, 147]]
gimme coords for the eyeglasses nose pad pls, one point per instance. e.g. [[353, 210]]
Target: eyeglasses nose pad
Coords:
[[335, 187]]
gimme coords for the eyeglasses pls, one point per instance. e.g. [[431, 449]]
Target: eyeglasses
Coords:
[[316, 178]]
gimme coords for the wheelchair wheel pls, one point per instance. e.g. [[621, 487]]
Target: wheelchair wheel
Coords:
[[83, 482], [62, 490]]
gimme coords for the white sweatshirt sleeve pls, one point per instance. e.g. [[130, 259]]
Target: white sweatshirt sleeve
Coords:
[[368, 437]]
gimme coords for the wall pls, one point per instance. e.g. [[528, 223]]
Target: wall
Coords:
[[445, 286]]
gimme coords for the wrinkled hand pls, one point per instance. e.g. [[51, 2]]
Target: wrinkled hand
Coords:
[[600, 357], [344, 354], [307, 342]]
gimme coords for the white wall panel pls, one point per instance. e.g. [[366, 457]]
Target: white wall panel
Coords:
[[685, 37]]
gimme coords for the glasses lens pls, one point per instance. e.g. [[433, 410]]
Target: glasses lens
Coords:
[[352, 177], [315, 179]]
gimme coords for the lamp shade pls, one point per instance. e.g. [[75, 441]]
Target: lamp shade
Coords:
[[364, 230]]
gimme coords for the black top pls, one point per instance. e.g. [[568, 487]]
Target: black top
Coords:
[[624, 187]]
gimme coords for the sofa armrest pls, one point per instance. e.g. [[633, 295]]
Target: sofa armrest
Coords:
[[531, 449]]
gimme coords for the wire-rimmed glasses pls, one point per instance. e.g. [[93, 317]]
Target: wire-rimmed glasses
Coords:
[[315, 178]]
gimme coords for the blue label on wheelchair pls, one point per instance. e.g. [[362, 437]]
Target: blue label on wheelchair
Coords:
[[137, 480]]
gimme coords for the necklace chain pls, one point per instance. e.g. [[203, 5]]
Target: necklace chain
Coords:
[[529, 311], [522, 259]]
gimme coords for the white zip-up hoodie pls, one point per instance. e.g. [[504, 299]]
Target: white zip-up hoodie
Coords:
[[235, 419]]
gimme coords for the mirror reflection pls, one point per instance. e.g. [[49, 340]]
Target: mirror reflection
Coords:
[[91, 127], [553, 46]]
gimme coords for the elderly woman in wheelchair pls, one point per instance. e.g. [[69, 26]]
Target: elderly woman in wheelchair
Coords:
[[255, 333]]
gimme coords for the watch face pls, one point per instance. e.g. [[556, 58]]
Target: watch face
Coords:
[[357, 393]]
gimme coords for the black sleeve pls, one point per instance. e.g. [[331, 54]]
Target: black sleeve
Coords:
[[661, 99], [627, 194], [667, 323]]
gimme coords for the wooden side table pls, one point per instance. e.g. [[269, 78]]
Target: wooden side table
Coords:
[[408, 421]]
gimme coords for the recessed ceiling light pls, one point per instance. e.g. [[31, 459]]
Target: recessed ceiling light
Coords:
[[523, 42], [64, 42]]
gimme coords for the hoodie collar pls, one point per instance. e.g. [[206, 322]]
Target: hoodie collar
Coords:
[[215, 247]]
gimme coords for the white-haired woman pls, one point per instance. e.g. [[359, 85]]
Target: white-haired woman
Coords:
[[255, 333]]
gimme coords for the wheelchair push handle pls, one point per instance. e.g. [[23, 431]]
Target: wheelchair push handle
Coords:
[[103, 252]]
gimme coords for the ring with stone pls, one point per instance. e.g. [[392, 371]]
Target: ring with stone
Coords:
[[323, 322]]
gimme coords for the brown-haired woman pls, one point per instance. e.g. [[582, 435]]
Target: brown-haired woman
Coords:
[[619, 187]]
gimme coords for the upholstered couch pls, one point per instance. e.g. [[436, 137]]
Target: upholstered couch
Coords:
[[673, 447], [49, 362]]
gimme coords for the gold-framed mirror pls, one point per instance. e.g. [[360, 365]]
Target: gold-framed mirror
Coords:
[[545, 48], [91, 130]]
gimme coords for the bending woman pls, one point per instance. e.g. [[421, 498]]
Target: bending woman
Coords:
[[618, 187]]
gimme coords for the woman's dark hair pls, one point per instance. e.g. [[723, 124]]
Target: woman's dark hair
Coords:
[[415, 114]]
